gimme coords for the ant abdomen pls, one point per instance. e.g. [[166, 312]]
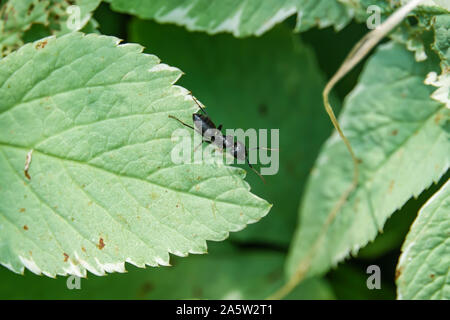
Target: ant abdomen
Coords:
[[239, 151]]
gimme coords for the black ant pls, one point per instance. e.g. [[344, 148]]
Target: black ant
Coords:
[[212, 134]]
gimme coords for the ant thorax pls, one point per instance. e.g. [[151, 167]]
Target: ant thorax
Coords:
[[227, 142], [214, 136], [238, 151]]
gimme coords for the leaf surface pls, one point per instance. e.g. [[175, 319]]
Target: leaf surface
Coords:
[[422, 271], [103, 187], [18, 17]]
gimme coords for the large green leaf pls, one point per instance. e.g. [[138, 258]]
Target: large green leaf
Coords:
[[240, 17], [402, 139], [223, 274], [422, 271], [103, 188], [18, 16], [270, 82]]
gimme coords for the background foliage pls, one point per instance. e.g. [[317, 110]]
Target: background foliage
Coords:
[[245, 63]]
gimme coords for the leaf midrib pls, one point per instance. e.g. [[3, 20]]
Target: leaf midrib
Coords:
[[119, 175]]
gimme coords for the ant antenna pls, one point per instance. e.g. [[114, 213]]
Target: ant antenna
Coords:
[[184, 124], [264, 148], [198, 103], [255, 171]]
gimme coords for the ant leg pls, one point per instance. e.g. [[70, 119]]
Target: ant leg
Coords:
[[195, 149], [198, 104], [264, 148], [254, 170], [184, 124], [219, 127]]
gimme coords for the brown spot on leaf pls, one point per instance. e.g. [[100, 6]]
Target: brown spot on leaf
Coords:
[[394, 132], [398, 272], [25, 227], [27, 174], [83, 249], [22, 210], [431, 276], [66, 257], [30, 9], [101, 244], [41, 44], [437, 118]]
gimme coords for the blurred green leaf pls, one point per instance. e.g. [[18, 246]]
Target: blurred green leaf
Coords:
[[17, 17], [441, 26], [391, 238], [240, 17], [441, 45], [402, 139], [423, 267], [397, 226], [269, 82], [103, 187], [413, 31], [226, 273]]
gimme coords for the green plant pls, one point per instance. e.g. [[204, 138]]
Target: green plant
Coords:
[[87, 181]]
